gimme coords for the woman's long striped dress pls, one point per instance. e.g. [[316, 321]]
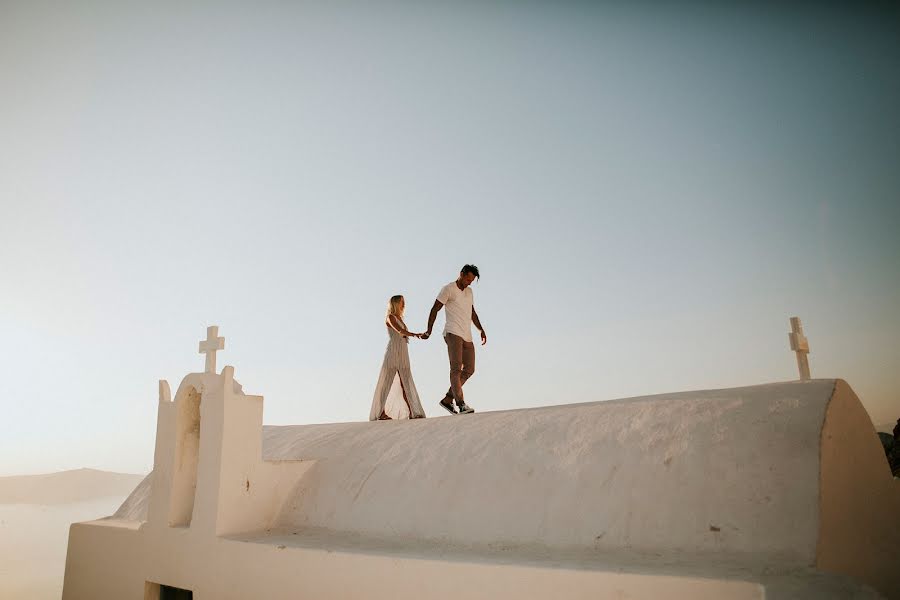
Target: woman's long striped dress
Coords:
[[396, 368]]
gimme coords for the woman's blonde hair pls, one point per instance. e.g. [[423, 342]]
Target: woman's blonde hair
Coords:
[[394, 307]]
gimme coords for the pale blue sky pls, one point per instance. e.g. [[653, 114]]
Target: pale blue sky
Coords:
[[649, 192]]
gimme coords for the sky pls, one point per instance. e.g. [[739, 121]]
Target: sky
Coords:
[[650, 192]]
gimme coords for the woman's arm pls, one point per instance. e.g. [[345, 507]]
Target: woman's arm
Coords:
[[395, 324]]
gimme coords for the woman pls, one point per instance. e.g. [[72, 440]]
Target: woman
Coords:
[[396, 365]]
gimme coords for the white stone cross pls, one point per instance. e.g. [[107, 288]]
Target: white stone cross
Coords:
[[800, 345], [210, 345]]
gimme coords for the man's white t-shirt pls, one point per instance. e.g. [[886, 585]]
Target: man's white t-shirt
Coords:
[[458, 306]]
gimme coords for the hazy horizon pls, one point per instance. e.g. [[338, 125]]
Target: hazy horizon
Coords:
[[650, 193]]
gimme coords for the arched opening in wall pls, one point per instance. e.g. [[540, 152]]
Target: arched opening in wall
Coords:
[[187, 454]]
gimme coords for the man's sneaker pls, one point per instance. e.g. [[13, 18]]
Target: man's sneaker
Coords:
[[448, 407], [465, 409]]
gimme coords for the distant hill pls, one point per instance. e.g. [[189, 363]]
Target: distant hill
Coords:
[[66, 487]]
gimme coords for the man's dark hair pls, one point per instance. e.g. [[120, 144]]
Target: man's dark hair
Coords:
[[471, 269]]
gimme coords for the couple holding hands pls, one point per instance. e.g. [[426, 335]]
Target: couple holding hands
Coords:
[[456, 297]]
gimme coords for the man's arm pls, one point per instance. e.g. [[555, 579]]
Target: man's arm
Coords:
[[431, 317], [477, 322]]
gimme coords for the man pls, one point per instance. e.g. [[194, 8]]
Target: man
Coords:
[[457, 297]]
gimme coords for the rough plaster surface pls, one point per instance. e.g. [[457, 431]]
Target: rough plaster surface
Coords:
[[134, 508], [860, 504], [711, 494], [729, 470]]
